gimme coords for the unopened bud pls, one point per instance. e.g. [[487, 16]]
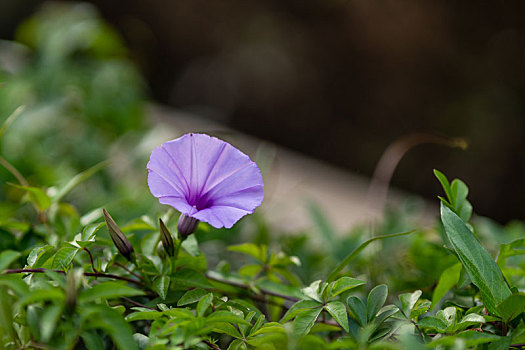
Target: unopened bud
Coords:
[[119, 239], [186, 225], [166, 239]]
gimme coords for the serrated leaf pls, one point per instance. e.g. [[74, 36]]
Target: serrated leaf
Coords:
[[108, 290], [338, 311], [161, 285], [305, 321], [191, 296], [7, 257], [62, 258], [482, 269], [449, 278], [375, 301], [358, 309], [204, 304]]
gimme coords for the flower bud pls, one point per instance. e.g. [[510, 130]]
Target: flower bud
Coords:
[[166, 239], [119, 239], [72, 282], [186, 225]]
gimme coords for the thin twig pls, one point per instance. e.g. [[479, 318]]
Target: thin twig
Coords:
[[128, 270], [90, 274], [245, 286], [133, 302], [91, 259], [211, 345]]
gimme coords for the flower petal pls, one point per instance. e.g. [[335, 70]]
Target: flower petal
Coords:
[[221, 216]]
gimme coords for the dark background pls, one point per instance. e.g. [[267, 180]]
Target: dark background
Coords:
[[341, 80]]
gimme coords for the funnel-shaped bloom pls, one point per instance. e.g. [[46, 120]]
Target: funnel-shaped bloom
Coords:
[[205, 178]]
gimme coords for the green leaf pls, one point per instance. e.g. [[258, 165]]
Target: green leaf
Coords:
[[249, 249], [103, 317], [358, 309], [305, 321], [6, 317], [92, 340], [7, 257], [325, 227], [76, 180], [161, 285], [482, 269], [279, 288], [512, 306], [433, 323], [108, 290], [469, 339], [37, 196], [49, 321], [190, 278], [143, 315], [333, 274], [227, 328], [376, 300], [298, 308], [342, 285], [204, 304], [408, 301], [39, 256], [63, 257], [449, 278], [191, 296], [516, 247], [14, 283], [226, 316], [54, 294], [338, 311], [444, 183]]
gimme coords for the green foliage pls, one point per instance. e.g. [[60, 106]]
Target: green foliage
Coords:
[[71, 276]]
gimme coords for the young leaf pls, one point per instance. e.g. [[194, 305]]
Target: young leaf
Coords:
[[342, 285], [449, 278], [248, 249], [37, 196], [376, 300], [338, 311], [408, 301], [444, 183], [482, 269]]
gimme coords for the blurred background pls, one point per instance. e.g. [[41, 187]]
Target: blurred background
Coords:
[[334, 79]]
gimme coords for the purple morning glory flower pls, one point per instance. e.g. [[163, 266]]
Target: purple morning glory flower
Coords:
[[206, 179]]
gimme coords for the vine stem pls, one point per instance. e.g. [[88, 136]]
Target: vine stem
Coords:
[[211, 345], [245, 286], [90, 274]]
